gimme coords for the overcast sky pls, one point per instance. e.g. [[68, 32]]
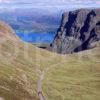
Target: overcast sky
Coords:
[[50, 3]]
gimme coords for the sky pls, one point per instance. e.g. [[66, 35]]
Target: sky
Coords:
[[49, 3]]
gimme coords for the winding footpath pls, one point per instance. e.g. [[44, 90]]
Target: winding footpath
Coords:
[[41, 75], [39, 87]]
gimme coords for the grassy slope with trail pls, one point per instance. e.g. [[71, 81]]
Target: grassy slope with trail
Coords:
[[65, 76]]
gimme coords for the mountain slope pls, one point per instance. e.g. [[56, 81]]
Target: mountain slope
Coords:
[[76, 78], [19, 64], [14, 69], [66, 77]]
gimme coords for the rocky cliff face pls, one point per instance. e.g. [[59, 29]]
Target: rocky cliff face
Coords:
[[78, 30]]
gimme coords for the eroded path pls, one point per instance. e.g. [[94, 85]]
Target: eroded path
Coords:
[[41, 75], [39, 86]]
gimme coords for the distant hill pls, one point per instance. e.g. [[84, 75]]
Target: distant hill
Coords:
[[30, 20], [78, 30]]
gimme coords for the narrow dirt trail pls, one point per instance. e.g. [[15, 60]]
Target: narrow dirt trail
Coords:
[[39, 86], [41, 75]]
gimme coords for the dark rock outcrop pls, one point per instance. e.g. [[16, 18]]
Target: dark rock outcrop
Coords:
[[78, 30]]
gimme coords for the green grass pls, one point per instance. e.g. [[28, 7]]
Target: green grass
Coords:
[[76, 80]]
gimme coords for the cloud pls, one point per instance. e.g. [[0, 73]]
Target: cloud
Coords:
[[0, 0], [50, 3]]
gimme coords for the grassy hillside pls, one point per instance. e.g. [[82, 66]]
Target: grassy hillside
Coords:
[[66, 77], [75, 79]]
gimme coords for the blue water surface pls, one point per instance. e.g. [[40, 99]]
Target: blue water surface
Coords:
[[36, 37]]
